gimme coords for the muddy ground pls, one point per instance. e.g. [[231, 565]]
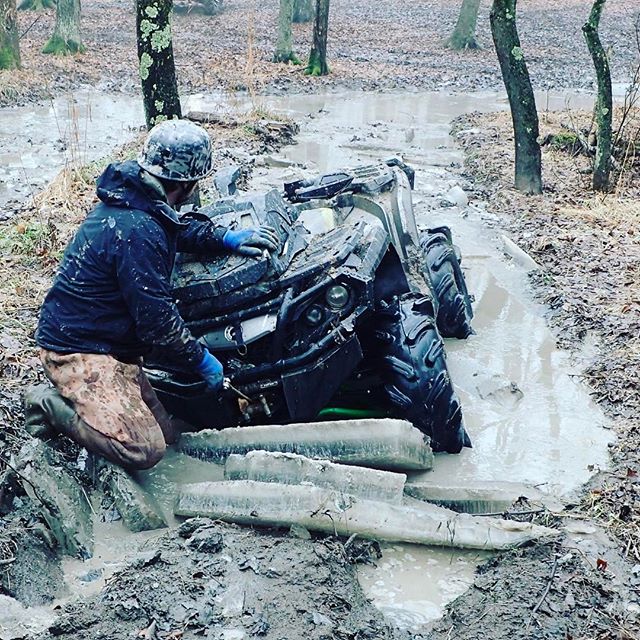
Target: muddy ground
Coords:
[[217, 581], [587, 585], [396, 44]]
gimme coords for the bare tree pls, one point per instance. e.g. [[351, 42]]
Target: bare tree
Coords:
[[284, 47], [528, 169], [464, 34], [157, 66], [318, 57], [303, 10], [66, 35], [604, 102], [9, 49]]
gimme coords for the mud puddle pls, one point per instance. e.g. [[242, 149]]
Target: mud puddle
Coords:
[[529, 418], [37, 141]]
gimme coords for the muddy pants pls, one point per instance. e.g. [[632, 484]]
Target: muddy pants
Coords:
[[103, 404]]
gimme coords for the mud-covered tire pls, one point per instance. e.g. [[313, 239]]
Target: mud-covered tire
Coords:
[[441, 265], [410, 355]]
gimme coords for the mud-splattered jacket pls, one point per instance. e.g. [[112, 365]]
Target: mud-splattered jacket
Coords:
[[112, 294]]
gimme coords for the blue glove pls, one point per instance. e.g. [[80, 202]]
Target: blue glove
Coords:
[[251, 242], [210, 369]]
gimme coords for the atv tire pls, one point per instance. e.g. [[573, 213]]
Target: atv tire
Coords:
[[442, 267], [410, 354]]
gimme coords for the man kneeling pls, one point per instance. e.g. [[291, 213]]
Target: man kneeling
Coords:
[[110, 302]]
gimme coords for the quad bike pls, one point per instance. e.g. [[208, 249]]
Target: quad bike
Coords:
[[345, 321]]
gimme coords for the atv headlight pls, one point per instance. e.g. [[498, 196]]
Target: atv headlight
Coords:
[[314, 315], [337, 297]]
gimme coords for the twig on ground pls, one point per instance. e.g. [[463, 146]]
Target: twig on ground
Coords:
[[35, 491], [504, 514], [545, 593], [24, 33]]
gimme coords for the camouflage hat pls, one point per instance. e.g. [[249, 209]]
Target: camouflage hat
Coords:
[[177, 150]]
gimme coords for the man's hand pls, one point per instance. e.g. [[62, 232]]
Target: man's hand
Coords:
[[210, 369], [251, 242]]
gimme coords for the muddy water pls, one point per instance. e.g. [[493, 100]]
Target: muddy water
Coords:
[[37, 141], [113, 542], [528, 417]]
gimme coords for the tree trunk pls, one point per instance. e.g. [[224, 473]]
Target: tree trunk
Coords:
[[66, 35], [302, 10], [157, 68], [36, 5], [464, 35], [284, 48], [318, 57], [528, 170], [9, 49], [604, 102]]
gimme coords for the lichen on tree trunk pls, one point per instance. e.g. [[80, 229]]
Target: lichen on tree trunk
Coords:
[[284, 47], [528, 166], [604, 102], [157, 67], [66, 37], [9, 48], [464, 34], [317, 65]]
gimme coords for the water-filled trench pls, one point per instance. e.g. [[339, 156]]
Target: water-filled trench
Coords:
[[530, 420]]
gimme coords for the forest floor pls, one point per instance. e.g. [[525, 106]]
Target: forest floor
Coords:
[[585, 585], [372, 46]]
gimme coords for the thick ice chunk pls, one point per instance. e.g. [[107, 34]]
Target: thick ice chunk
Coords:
[[380, 443], [263, 503], [290, 468]]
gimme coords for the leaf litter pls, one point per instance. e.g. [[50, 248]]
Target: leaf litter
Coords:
[[374, 46]]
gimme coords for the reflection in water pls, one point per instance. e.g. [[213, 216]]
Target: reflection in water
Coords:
[[71, 130]]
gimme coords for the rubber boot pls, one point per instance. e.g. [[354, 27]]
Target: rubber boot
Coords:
[[36, 414], [48, 413]]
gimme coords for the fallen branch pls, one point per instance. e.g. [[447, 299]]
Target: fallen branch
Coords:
[[207, 117], [24, 33]]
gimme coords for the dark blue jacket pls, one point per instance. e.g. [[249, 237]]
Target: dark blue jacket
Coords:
[[112, 293]]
